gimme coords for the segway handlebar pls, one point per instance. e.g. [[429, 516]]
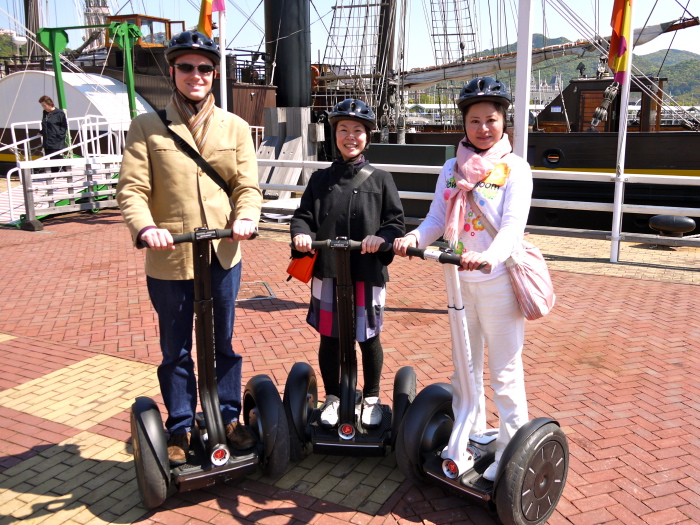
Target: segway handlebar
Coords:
[[438, 256], [344, 244], [198, 235]]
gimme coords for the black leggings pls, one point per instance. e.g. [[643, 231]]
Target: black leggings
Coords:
[[372, 362]]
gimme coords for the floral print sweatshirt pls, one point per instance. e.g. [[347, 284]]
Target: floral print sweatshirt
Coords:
[[504, 196]]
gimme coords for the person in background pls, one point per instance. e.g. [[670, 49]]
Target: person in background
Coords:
[[501, 184], [373, 214], [161, 190], [54, 127]]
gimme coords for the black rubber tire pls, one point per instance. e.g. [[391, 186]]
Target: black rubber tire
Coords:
[[150, 478], [261, 399], [425, 428], [404, 394], [301, 380], [534, 478], [408, 466], [275, 464]]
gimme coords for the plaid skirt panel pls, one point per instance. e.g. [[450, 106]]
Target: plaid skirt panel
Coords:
[[369, 308]]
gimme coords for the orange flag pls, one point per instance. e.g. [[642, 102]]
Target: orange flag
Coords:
[[204, 25], [621, 41]]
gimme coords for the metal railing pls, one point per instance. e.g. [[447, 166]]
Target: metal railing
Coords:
[[541, 203]]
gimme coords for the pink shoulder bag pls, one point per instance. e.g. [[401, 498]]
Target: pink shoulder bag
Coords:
[[529, 275]]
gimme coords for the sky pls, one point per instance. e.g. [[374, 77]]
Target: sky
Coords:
[[247, 33]]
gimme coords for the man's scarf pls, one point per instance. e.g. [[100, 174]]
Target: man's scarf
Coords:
[[198, 123]]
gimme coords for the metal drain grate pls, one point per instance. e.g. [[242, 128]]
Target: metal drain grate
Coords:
[[255, 291]]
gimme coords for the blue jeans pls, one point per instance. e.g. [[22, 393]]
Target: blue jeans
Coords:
[[173, 301]]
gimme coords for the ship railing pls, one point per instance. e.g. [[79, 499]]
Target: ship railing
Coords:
[[628, 178]]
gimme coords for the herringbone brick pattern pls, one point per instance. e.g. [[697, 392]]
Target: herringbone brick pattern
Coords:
[[616, 363]]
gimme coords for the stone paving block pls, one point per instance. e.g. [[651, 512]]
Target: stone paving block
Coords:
[[377, 476], [357, 496], [334, 497], [291, 477], [345, 466], [384, 491], [317, 473], [349, 482], [320, 490]]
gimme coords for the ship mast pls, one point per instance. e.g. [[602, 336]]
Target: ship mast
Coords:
[[32, 23]]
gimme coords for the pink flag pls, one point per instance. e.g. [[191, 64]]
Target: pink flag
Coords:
[[218, 5]]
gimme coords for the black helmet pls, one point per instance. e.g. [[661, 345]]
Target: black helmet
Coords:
[[192, 42], [483, 89], [353, 109]]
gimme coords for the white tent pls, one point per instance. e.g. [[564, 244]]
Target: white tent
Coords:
[[86, 94]]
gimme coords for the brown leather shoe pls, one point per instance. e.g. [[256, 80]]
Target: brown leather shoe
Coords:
[[178, 447], [239, 436]]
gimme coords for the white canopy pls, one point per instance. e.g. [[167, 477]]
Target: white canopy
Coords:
[[86, 94]]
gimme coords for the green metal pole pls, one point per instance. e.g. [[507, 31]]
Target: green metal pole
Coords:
[[124, 36], [55, 40]]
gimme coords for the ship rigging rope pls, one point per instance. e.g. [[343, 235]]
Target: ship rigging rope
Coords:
[[601, 44]]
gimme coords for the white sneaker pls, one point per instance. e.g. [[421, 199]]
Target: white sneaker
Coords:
[[329, 411], [371, 412], [490, 473]]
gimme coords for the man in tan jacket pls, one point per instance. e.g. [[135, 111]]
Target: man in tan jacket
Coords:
[[162, 191]]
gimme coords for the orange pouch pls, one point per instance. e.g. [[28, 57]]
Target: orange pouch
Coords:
[[302, 268]]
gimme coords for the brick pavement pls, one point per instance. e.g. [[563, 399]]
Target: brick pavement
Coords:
[[616, 363]]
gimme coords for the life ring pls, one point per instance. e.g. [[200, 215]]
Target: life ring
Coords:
[[315, 73]]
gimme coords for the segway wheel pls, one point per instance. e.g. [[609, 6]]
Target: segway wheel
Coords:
[[534, 478], [151, 477], [264, 413], [425, 428], [404, 394], [300, 398]]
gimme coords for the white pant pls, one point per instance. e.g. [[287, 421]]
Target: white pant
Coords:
[[494, 317]]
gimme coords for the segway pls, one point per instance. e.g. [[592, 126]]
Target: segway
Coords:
[[433, 444], [210, 460], [349, 437]]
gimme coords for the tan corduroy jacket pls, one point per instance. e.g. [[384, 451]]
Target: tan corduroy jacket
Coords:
[[161, 186]]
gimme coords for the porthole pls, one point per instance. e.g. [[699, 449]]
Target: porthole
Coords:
[[552, 158]]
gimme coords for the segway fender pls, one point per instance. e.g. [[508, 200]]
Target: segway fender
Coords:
[[295, 396], [423, 407], [267, 399], [147, 415], [520, 437]]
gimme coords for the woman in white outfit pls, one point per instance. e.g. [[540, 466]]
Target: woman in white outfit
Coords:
[[501, 184]]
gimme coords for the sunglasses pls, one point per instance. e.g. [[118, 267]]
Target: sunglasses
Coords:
[[204, 69]]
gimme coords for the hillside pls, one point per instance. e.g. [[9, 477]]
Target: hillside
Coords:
[[682, 68]]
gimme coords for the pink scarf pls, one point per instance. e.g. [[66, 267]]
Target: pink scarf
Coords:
[[470, 169]]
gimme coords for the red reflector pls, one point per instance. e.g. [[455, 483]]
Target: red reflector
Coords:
[[220, 454]]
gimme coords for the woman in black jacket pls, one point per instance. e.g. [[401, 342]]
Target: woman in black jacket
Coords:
[[372, 214]]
